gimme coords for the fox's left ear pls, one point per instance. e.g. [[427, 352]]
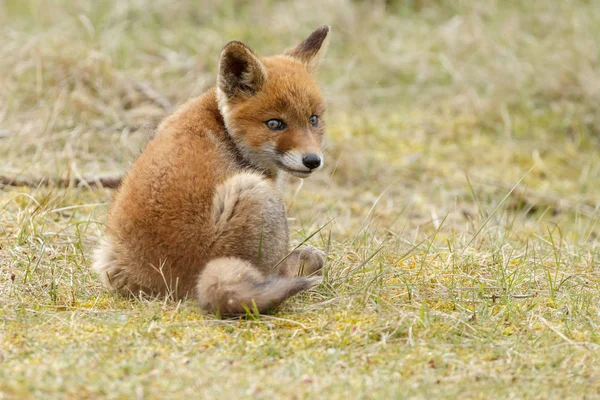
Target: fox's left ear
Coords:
[[312, 50]]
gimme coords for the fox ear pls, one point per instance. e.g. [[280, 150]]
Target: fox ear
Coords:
[[240, 71], [312, 50]]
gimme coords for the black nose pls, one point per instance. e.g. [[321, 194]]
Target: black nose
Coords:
[[311, 161]]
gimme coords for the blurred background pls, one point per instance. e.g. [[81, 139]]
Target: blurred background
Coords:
[[422, 93], [436, 108]]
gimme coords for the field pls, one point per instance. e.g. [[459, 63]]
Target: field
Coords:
[[459, 206]]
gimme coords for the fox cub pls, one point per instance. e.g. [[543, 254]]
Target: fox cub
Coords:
[[199, 213]]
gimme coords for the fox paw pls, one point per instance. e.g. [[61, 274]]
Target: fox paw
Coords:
[[306, 261]]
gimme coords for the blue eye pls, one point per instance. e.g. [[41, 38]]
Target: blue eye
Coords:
[[314, 120], [275, 124]]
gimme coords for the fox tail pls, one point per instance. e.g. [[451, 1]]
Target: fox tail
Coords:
[[229, 286]]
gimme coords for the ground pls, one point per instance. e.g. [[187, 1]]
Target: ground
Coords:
[[458, 209]]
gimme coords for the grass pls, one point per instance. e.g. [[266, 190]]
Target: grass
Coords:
[[459, 204]]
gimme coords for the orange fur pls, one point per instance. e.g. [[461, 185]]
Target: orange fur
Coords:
[[203, 193]]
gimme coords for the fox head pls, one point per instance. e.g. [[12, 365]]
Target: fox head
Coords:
[[272, 107]]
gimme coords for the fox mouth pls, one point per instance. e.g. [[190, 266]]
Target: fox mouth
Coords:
[[295, 172], [299, 174]]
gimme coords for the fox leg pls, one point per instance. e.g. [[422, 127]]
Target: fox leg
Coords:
[[114, 274], [250, 213], [251, 237]]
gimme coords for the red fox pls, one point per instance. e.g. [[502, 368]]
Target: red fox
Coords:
[[199, 214]]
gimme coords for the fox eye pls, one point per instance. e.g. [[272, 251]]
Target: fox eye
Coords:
[[275, 124], [314, 120]]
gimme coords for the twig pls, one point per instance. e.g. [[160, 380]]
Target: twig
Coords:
[[494, 297], [560, 334], [111, 182]]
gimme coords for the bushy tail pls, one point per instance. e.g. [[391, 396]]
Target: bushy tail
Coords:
[[229, 286]]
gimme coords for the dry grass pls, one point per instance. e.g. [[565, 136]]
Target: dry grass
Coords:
[[462, 190]]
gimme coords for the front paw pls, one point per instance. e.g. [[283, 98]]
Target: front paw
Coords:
[[308, 261]]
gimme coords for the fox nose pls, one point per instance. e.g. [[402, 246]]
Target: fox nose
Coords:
[[311, 161]]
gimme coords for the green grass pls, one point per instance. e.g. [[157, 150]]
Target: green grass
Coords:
[[459, 203]]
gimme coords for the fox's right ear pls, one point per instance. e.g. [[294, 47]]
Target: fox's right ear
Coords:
[[240, 71]]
